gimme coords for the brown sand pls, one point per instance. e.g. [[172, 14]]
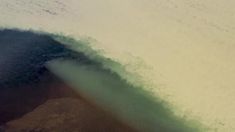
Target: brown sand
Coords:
[[51, 106]]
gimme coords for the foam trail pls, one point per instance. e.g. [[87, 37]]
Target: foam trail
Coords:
[[99, 83]]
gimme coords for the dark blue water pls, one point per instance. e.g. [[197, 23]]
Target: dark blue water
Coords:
[[23, 55], [24, 79]]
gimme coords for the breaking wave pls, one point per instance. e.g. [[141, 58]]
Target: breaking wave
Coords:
[[101, 80]]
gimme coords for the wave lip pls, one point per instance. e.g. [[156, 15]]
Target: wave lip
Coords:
[[105, 82]]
